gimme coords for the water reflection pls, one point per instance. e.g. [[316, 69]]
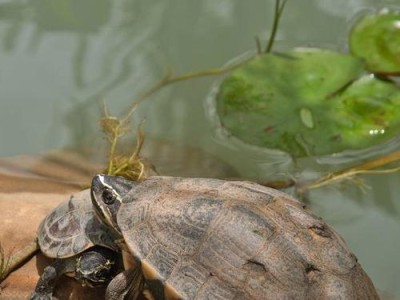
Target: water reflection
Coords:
[[102, 47], [52, 17], [61, 59]]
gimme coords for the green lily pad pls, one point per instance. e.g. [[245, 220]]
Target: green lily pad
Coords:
[[376, 38], [308, 102]]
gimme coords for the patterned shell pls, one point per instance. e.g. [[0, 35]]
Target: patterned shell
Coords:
[[214, 239], [72, 227]]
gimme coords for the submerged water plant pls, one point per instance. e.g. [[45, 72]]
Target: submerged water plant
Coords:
[[4, 263], [130, 166]]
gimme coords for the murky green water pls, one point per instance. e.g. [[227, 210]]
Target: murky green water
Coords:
[[60, 59]]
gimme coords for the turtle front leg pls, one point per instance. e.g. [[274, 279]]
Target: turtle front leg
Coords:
[[126, 285], [47, 282]]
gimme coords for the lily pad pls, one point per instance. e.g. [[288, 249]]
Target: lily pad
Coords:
[[308, 102], [376, 38]]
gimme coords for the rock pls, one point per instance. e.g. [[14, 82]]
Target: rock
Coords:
[[56, 172]]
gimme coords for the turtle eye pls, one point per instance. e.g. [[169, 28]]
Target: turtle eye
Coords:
[[108, 196]]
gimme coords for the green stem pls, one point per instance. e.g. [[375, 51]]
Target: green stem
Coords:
[[363, 168], [169, 79], [277, 16], [112, 151], [18, 259], [258, 45]]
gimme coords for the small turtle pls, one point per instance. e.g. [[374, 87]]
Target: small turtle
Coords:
[[81, 245], [213, 239]]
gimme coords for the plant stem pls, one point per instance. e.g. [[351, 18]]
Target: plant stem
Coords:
[[258, 45], [363, 168], [112, 150], [169, 79], [277, 16], [18, 259]]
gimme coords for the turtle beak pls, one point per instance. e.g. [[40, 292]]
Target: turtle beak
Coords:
[[96, 187]]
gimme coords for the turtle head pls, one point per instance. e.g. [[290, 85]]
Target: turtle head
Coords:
[[96, 266], [107, 193]]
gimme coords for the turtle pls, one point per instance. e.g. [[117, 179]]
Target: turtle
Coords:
[[197, 238], [81, 245]]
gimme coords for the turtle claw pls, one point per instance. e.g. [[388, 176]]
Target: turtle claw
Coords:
[[36, 296], [45, 287], [39, 296]]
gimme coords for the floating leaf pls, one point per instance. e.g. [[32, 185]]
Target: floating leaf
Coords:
[[308, 102], [376, 38], [367, 113]]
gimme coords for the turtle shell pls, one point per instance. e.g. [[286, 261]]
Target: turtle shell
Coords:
[[215, 239], [72, 227]]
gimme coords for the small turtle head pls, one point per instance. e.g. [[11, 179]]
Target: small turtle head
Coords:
[[96, 267], [107, 193]]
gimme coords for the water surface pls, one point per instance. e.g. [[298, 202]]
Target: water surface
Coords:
[[60, 61]]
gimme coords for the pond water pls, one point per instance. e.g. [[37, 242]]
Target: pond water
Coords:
[[60, 61]]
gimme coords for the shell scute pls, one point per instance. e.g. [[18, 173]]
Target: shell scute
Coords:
[[216, 289], [64, 222], [249, 192], [64, 251], [182, 223], [164, 260], [189, 276], [131, 216], [141, 241], [80, 242], [283, 261]]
